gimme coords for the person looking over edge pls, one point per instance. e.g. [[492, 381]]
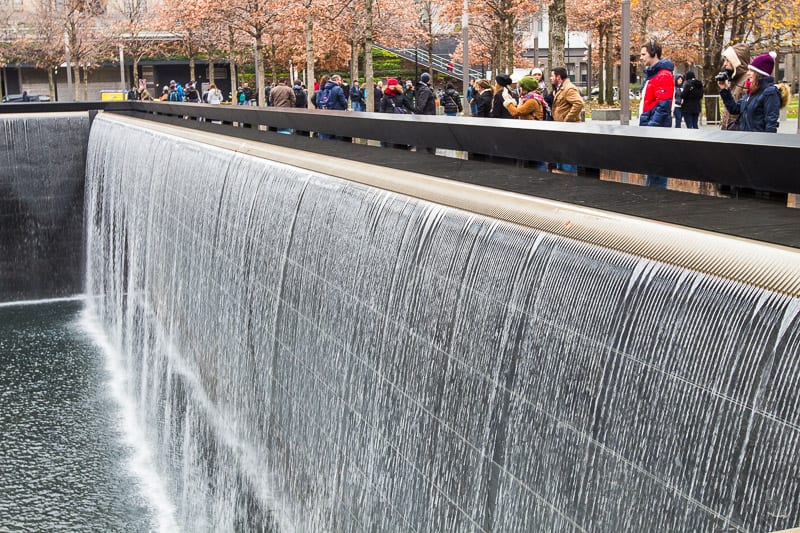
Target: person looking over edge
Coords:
[[567, 100]]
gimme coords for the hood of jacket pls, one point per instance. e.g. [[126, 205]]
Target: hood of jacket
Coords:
[[662, 64]]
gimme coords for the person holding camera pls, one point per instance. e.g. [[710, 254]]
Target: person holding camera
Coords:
[[735, 59], [759, 108]]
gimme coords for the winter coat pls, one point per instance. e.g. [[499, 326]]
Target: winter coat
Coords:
[[728, 121], [337, 101], [484, 101], [451, 102], [282, 96], [692, 96], [355, 94], [656, 105], [567, 103], [300, 97], [759, 111], [214, 96], [498, 109], [424, 101], [392, 102], [528, 108], [677, 97]]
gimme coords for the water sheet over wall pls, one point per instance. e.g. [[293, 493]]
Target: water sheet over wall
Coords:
[[42, 170], [312, 354]]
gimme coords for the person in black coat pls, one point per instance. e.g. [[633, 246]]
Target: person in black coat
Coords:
[[484, 98], [502, 81], [692, 95]]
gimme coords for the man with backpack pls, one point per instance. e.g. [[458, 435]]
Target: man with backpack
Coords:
[[300, 95], [331, 96], [174, 94]]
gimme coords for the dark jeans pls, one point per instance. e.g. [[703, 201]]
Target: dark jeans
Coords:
[[691, 120], [678, 114]]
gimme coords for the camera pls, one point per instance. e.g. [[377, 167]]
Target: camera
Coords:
[[722, 76]]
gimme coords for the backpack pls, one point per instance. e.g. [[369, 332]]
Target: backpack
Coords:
[[299, 97], [174, 96], [324, 99]]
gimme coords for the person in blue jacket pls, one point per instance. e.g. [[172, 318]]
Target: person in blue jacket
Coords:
[[759, 109]]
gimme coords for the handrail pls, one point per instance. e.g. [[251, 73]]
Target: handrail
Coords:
[[439, 64], [760, 161]]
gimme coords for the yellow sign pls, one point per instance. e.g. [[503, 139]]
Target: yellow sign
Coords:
[[112, 95]]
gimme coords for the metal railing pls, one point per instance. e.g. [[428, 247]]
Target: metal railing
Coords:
[[439, 63], [760, 161]]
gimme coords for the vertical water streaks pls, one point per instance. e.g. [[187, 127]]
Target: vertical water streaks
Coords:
[[311, 354], [43, 161]]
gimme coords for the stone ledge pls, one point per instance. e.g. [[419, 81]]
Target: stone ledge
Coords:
[[605, 114]]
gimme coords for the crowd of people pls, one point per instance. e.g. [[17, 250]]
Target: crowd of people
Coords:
[[752, 100]]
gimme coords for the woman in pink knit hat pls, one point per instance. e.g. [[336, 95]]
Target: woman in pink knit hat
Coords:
[[759, 108]]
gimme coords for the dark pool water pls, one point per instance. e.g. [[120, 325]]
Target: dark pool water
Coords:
[[64, 464]]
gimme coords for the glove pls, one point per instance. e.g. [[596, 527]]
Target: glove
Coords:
[[507, 98]]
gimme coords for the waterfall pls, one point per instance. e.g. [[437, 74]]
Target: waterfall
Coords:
[[41, 204], [313, 354]]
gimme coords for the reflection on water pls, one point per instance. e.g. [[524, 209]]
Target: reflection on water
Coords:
[[63, 465]]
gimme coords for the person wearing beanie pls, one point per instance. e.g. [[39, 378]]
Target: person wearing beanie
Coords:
[[692, 99], [393, 100], [424, 100], [451, 101], [735, 59], [759, 108], [530, 105], [501, 89]]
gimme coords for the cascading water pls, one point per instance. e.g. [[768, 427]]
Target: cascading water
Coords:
[[41, 204], [311, 354]]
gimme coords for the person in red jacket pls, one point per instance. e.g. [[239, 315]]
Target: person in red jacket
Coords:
[[659, 87], [655, 109]]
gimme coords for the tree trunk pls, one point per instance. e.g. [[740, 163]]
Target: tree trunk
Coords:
[[135, 60], [51, 84], [609, 78], [309, 29], [369, 83], [557, 14], [192, 76], [511, 23], [211, 70], [601, 72], [85, 83], [232, 65], [353, 61], [259, 63]]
